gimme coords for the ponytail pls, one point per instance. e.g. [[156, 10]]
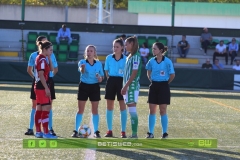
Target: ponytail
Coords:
[[160, 46], [44, 45]]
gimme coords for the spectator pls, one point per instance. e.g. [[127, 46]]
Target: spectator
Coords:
[[207, 65], [144, 51], [123, 38], [183, 47], [237, 66], [64, 34], [205, 39], [221, 51], [233, 49], [217, 65]]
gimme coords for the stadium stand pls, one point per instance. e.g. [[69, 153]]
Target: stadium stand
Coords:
[[103, 42]]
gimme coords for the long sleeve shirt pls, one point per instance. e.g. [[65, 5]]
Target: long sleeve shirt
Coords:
[[62, 33], [233, 47]]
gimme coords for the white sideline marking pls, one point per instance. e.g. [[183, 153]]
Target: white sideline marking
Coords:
[[90, 153]]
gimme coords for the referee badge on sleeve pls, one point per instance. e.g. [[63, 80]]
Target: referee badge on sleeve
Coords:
[[135, 65], [162, 73]]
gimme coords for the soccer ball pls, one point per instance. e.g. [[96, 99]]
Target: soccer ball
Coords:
[[84, 131]]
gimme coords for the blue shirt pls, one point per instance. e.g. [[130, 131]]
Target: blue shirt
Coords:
[[89, 76], [160, 71], [115, 67], [62, 33], [233, 47], [215, 67], [33, 56]]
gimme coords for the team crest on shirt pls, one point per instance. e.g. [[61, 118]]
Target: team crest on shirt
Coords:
[[162, 73], [135, 65]]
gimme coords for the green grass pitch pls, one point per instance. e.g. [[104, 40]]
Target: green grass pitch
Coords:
[[192, 114]]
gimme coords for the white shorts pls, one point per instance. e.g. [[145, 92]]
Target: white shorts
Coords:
[[131, 96]]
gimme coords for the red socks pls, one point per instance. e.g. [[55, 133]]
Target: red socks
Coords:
[[41, 117], [45, 119], [38, 120]]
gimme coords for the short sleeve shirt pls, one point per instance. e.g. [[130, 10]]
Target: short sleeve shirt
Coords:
[[206, 36], [54, 63], [144, 51], [91, 71], [160, 71], [133, 63], [33, 56], [115, 67], [221, 48], [183, 44], [206, 66], [41, 65]]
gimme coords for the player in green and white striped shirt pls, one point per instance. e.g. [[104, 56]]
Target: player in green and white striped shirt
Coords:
[[131, 77]]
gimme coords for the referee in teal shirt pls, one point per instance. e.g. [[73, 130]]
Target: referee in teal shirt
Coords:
[[91, 75], [114, 67], [160, 72]]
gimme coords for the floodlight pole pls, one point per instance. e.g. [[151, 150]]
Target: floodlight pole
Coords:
[[102, 15], [88, 11], [23, 10], [172, 24], [66, 12], [106, 14], [100, 11], [111, 12]]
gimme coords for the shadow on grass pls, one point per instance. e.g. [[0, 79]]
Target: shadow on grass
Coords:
[[142, 93], [173, 154]]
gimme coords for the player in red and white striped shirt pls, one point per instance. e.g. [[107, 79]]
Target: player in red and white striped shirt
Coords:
[[42, 91]]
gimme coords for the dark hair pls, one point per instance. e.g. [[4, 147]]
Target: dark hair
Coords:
[[120, 42], [134, 41], [123, 36], [184, 35], [221, 41], [40, 38], [145, 44], [44, 45], [64, 26], [160, 46]]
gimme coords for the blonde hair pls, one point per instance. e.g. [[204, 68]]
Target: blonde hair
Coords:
[[135, 46], [95, 50]]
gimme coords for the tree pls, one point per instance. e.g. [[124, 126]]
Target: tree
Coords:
[[123, 4]]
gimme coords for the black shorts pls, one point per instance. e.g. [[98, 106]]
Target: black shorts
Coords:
[[91, 91], [113, 88], [159, 93], [51, 85]]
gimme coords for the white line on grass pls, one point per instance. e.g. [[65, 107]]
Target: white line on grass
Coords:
[[228, 146], [214, 101], [90, 153]]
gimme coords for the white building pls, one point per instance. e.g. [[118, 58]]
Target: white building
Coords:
[[187, 14]]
